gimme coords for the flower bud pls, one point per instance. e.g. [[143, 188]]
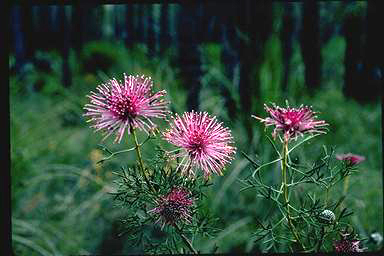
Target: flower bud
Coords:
[[376, 237], [327, 217]]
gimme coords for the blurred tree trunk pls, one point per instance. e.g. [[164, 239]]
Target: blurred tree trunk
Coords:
[[141, 23], [165, 38], [44, 27], [189, 32], [173, 24], [310, 44], [373, 52], [229, 54], [17, 41], [246, 58], [96, 15], [116, 20], [65, 46], [287, 35], [27, 29], [93, 15], [129, 26], [353, 26], [151, 38], [77, 27], [210, 21], [254, 20]]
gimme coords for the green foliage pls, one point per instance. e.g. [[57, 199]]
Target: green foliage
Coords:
[[214, 83], [60, 200], [333, 66], [271, 70], [139, 199], [99, 56], [296, 80], [311, 195], [44, 77]]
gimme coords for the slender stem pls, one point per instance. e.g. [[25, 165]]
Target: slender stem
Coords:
[[345, 189], [263, 165], [285, 191], [185, 240], [346, 185], [117, 152], [112, 154], [141, 163], [321, 240]]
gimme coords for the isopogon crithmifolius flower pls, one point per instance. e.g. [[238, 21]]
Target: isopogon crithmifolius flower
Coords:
[[117, 107], [203, 142]]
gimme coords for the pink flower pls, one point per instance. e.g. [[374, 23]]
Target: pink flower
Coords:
[[347, 245], [203, 141], [350, 159], [292, 121], [174, 207], [117, 107]]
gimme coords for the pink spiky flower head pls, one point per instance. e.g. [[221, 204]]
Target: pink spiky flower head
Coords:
[[174, 207], [117, 107], [345, 244], [350, 159], [292, 121], [203, 141]]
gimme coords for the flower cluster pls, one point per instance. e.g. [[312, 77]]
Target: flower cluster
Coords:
[[117, 107], [174, 207], [203, 141], [292, 121]]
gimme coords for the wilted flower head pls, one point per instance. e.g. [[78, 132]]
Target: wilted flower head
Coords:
[[292, 121], [117, 107], [350, 159], [203, 141], [345, 244], [174, 207]]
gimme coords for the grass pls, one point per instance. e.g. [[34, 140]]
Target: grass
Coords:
[[60, 201]]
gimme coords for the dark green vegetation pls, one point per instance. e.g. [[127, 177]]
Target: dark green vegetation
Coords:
[[60, 200]]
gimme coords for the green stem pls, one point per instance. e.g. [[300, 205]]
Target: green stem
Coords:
[[141, 163], [321, 240], [185, 240], [285, 192], [345, 189], [112, 154], [346, 185]]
